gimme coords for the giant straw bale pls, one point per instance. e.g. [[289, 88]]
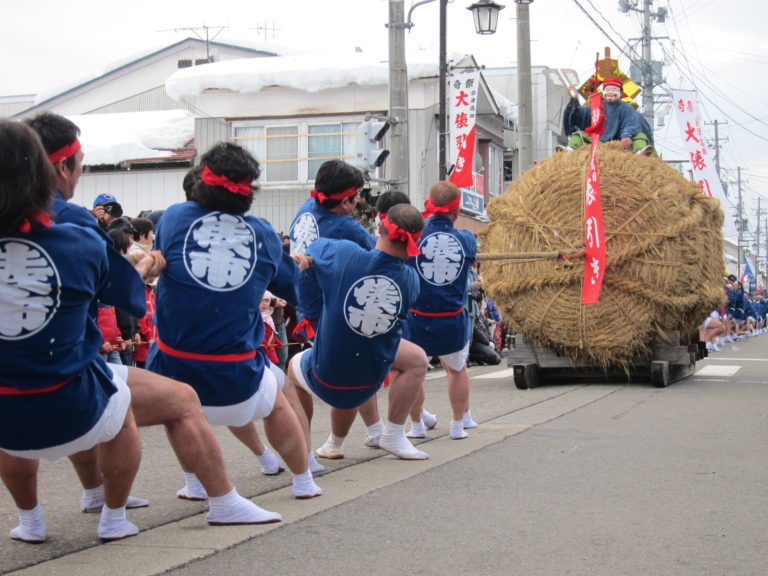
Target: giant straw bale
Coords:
[[664, 256]]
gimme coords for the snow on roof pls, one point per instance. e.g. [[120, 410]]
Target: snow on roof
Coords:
[[75, 82], [115, 138], [309, 72], [507, 108]]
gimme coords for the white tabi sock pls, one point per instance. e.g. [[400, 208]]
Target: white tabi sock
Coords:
[[393, 440], [418, 430], [314, 465], [457, 430], [270, 463], [234, 509], [113, 524], [373, 434], [304, 486], [193, 490], [31, 526]]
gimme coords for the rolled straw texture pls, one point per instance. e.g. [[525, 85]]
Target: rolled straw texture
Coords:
[[664, 256]]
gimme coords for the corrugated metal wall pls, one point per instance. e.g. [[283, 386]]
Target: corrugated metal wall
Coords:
[[156, 190], [155, 99], [136, 191], [278, 206], [209, 131]]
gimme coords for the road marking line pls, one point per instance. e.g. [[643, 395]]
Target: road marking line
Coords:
[[717, 370], [508, 373]]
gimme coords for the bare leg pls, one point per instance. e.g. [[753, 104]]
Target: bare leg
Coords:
[[418, 405], [157, 401], [369, 412], [161, 401], [342, 420], [86, 468], [286, 435], [458, 391], [300, 400], [408, 372], [20, 477], [249, 436], [119, 462]]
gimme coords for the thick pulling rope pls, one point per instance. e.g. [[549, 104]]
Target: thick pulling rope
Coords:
[[487, 256]]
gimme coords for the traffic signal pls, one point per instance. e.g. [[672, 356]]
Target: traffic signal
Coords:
[[369, 155]]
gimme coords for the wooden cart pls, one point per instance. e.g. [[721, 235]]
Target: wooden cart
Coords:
[[672, 358]]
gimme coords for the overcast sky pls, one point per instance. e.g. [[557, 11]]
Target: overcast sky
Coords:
[[719, 48]]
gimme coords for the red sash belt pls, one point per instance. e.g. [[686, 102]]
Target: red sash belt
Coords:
[[305, 325], [437, 314], [205, 357], [325, 384], [14, 391]]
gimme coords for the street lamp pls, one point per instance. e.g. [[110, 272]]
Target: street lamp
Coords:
[[486, 15]]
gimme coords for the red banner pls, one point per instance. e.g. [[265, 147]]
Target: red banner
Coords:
[[462, 91], [462, 170], [594, 235]]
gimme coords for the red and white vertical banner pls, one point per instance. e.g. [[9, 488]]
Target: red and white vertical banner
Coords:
[[462, 94], [594, 234], [702, 163], [703, 166]]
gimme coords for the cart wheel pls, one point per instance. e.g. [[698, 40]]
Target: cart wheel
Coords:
[[660, 373], [526, 375]]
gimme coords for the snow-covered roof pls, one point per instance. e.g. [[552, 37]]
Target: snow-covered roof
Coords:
[[115, 138], [308, 72]]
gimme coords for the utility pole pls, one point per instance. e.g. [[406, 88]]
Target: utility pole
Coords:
[[716, 146], [646, 67], [442, 127], [524, 88], [740, 228], [397, 168], [757, 241], [647, 64], [765, 264]]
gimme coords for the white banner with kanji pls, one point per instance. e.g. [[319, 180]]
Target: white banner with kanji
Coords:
[[462, 94], [702, 160]]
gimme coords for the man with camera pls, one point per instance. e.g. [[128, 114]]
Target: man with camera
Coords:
[[106, 208]]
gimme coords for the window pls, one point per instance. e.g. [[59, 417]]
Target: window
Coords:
[[281, 158], [495, 180], [293, 153], [329, 141]]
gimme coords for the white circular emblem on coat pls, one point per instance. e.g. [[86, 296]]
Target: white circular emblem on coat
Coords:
[[303, 232], [220, 251], [30, 289], [372, 306], [441, 258]]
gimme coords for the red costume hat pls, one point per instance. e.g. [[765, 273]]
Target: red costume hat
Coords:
[[613, 82]]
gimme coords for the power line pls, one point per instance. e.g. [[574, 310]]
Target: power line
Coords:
[[619, 46]]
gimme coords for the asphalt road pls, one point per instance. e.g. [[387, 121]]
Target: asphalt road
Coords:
[[582, 479]]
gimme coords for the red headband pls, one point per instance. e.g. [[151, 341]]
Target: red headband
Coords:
[[322, 196], [243, 187], [64, 151], [394, 232], [454, 204], [40, 217]]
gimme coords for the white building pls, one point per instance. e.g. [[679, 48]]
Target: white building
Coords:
[[292, 112]]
